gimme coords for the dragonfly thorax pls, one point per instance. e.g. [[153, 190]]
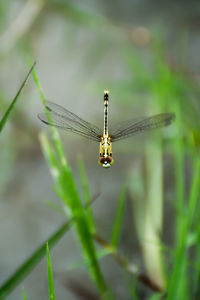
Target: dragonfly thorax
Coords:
[[105, 159]]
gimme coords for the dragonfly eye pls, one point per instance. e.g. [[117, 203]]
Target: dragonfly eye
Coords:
[[108, 159], [102, 160]]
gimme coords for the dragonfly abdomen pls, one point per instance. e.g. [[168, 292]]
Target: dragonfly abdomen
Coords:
[[106, 97]]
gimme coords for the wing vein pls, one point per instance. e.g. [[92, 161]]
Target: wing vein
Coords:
[[143, 124], [64, 119]]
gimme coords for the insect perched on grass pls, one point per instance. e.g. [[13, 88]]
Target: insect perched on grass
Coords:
[[63, 118]]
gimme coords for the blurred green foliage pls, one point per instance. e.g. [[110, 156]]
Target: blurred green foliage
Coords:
[[157, 81]]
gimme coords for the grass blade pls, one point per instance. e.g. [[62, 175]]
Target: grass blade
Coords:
[[57, 142], [50, 276], [179, 171], [132, 285], [177, 280], [118, 219], [156, 297], [6, 115], [100, 254], [86, 192], [82, 226], [32, 261], [196, 276], [24, 294]]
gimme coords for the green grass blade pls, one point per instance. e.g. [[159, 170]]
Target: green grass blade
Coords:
[[50, 276], [57, 208], [10, 108], [57, 142], [54, 165], [178, 277], [24, 294], [196, 276], [156, 297], [32, 261], [65, 184], [86, 192], [179, 170], [118, 219], [82, 227], [100, 254], [132, 285]]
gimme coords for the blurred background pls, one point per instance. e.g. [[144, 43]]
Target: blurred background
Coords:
[[146, 53]]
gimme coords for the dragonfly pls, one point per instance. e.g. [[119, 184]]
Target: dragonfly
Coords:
[[62, 118]]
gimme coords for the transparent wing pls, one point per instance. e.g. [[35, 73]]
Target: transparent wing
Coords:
[[65, 119], [130, 128], [125, 124]]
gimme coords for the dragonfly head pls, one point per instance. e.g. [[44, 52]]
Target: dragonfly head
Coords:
[[106, 162]]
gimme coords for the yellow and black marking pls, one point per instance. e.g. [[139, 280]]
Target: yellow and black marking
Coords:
[[105, 159]]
